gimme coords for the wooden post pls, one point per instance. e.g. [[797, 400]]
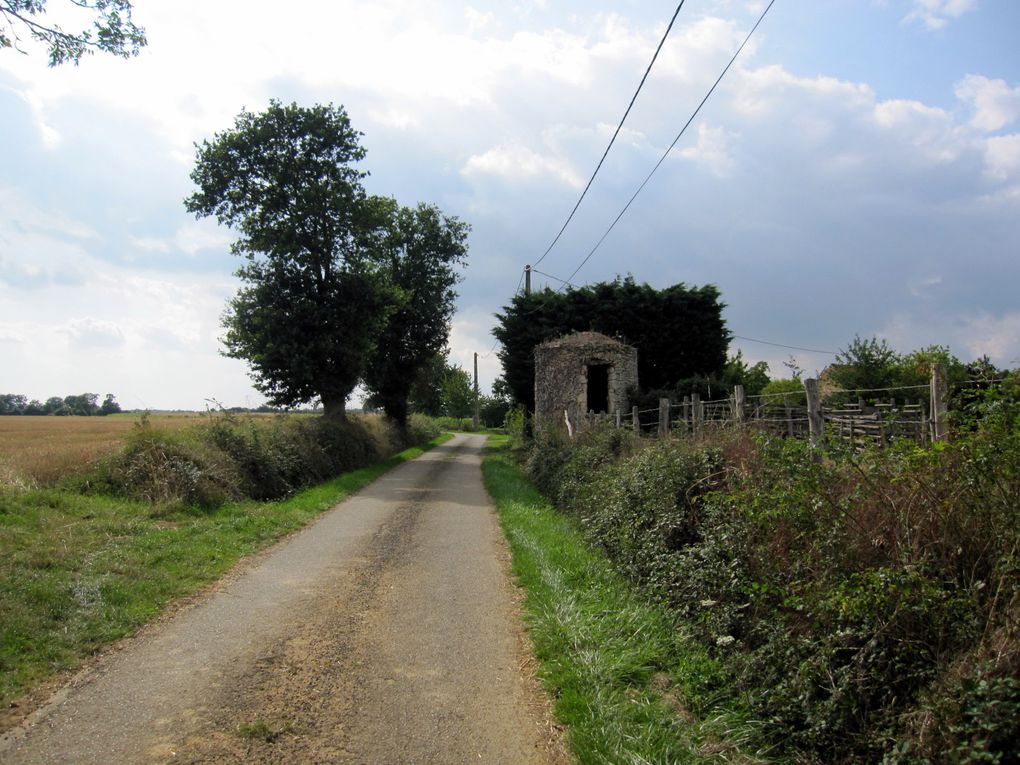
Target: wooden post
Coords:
[[939, 403], [697, 412], [635, 420], [663, 417], [738, 405], [816, 423], [789, 419], [619, 418]]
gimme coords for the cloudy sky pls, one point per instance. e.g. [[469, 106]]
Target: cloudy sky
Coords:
[[857, 171]]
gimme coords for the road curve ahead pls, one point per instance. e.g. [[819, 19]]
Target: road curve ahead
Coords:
[[385, 632]]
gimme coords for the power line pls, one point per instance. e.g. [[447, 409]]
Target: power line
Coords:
[[781, 345], [675, 141], [555, 278], [613, 139]]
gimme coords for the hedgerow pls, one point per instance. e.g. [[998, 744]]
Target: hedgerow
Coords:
[[230, 457], [865, 604]]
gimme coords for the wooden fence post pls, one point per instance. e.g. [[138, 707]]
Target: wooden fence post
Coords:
[[697, 412], [939, 402], [635, 420], [816, 423], [663, 417], [738, 405]]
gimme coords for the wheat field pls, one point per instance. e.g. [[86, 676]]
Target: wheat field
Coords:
[[38, 451]]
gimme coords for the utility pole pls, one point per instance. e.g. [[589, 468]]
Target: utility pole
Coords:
[[474, 422], [527, 279]]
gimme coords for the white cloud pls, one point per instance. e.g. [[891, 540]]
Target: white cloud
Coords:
[[935, 14], [519, 163], [202, 235], [88, 332], [712, 149], [995, 103], [1002, 155]]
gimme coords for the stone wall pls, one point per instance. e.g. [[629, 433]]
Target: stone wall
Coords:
[[563, 367]]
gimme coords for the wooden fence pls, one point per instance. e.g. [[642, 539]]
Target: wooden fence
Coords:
[[838, 419]]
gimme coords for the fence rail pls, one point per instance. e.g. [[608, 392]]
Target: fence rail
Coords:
[[856, 423]]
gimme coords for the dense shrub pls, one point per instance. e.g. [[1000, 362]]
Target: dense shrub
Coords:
[[866, 604], [231, 457]]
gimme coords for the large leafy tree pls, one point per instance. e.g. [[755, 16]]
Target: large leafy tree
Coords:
[[315, 296], [112, 29], [422, 248], [678, 331]]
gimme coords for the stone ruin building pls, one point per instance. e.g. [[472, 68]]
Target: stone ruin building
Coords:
[[581, 373]]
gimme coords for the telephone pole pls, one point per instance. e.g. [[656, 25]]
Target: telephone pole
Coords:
[[527, 279], [474, 422]]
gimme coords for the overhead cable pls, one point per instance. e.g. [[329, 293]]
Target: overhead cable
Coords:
[[781, 345], [613, 139], [675, 141]]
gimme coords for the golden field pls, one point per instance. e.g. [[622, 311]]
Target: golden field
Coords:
[[36, 451]]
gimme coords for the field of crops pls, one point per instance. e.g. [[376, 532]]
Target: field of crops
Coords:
[[36, 451]]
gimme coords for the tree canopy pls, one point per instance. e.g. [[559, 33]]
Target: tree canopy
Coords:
[[339, 286], [112, 30], [420, 250], [678, 331]]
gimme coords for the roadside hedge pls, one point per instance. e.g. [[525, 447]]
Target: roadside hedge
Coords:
[[865, 604], [236, 457]]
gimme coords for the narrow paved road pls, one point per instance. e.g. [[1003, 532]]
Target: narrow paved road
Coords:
[[386, 632]]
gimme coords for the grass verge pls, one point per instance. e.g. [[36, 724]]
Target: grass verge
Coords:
[[78, 572], [629, 685]]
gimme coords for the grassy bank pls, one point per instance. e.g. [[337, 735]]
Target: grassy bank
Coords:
[[78, 571], [631, 688]]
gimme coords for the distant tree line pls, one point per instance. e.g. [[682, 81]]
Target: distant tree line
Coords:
[[81, 405]]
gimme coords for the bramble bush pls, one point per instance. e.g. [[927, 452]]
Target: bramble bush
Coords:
[[865, 603]]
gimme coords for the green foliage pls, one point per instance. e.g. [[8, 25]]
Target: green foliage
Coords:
[[679, 331], [848, 596], [315, 297], [339, 287], [629, 686], [81, 405], [420, 250], [112, 30], [458, 395], [230, 457], [786, 392]]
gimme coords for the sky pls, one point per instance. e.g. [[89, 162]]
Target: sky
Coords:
[[857, 172]]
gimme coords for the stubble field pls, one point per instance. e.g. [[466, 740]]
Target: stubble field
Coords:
[[38, 451]]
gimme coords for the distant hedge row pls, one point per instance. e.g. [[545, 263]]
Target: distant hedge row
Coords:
[[81, 405]]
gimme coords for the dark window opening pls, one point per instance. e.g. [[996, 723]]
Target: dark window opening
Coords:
[[598, 388]]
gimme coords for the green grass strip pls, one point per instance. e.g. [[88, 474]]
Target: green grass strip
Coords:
[[628, 685], [78, 572]]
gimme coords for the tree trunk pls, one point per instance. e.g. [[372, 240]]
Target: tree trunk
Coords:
[[334, 407]]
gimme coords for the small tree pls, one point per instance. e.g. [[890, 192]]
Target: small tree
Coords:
[[112, 30], [315, 296], [458, 393], [865, 365]]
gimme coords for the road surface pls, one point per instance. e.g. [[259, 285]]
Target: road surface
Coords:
[[385, 632]]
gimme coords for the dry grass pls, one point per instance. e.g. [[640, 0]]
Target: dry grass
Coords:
[[38, 451]]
